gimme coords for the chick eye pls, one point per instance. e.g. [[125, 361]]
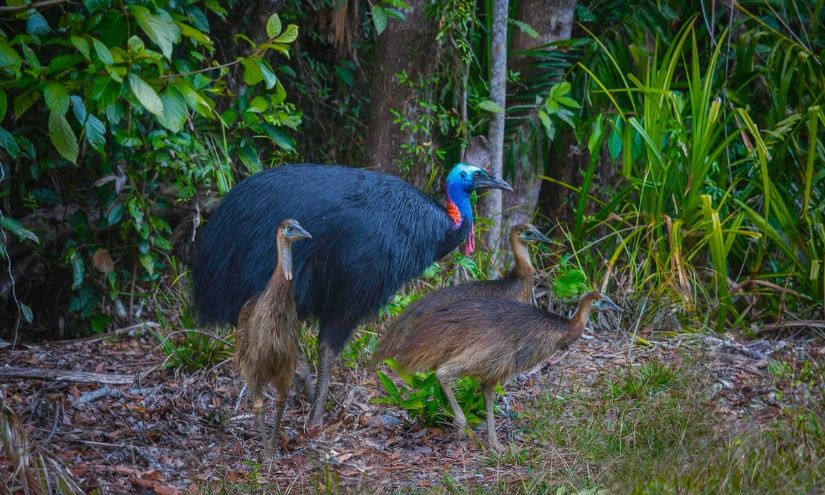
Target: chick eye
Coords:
[[288, 230]]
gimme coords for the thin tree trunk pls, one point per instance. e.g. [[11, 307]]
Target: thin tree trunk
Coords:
[[498, 93], [404, 46], [553, 20]]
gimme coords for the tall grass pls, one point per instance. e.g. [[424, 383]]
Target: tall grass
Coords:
[[717, 144]]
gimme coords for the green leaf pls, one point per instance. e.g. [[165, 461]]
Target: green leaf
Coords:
[[135, 44], [289, 35], [526, 28], [9, 59], [56, 97], [94, 129], [549, 128], [269, 77], [175, 112], [103, 52], [194, 99], [379, 18], [273, 26], [490, 106], [36, 24], [148, 262], [568, 102], [4, 104], [115, 214], [82, 46], [196, 35], [279, 137], [78, 270], [159, 27], [252, 71], [146, 95], [24, 101], [250, 158], [63, 137], [27, 313], [17, 228], [94, 5], [258, 105], [388, 384], [8, 143]]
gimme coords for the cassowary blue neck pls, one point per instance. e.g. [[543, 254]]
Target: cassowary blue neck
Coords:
[[458, 204]]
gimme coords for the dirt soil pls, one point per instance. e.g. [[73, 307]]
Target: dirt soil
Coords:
[[167, 432]]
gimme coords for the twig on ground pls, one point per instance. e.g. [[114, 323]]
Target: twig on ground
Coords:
[[94, 395], [114, 333]]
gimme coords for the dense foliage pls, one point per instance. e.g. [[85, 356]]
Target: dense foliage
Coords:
[[116, 119]]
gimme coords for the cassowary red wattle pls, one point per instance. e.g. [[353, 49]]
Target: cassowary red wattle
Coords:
[[372, 232]]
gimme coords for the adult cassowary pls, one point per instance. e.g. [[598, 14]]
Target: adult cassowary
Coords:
[[371, 233]]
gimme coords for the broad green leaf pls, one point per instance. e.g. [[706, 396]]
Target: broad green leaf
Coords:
[[289, 35], [549, 128], [269, 77], [17, 228], [24, 101], [258, 105], [103, 52], [279, 137], [159, 27], [94, 128], [568, 102], [63, 137], [252, 71], [490, 106], [379, 18], [196, 35], [148, 262], [215, 7], [174, 111], [82, 46], [56, 97], [273, 26], [36, 24], [9, 59], [135, 44], [194, 99], [8, 143], [94, 5], [250, 158], [146, 95], [4, 104]]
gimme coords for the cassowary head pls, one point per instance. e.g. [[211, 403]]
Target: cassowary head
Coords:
[[288, 232], [462, 180], [529, 233], [601, 302]]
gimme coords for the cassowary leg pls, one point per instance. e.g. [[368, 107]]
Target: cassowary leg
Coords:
[[326, 356], [445, 379], [305, 377], [489, 398]]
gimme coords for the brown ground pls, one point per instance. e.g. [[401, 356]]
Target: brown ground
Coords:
[[170, 432]]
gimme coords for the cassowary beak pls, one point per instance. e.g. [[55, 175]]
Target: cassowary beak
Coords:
[[606, 304], [491, 183]]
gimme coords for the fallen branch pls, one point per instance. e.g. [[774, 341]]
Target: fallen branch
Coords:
[[65, 376], [94, 395], [114, 333], [792, 324]]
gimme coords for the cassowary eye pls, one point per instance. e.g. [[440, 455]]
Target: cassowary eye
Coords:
[[288, 230], [463, 175], [477, 175]]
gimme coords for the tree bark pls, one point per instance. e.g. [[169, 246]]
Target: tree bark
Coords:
[[498, 94], [407, 45], [553, 20]]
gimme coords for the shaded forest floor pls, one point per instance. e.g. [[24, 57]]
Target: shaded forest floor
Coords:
[[604, 414]]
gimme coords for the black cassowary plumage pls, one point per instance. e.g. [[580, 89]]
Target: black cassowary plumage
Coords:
[[371, 233]]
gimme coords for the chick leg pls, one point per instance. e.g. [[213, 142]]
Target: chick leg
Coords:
[[258, 409], [326, 357], [445, 380], [489, 397], [280, 405]]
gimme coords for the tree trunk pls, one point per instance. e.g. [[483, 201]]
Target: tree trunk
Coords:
[[553, 20], [498, 93], [407, 45]]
